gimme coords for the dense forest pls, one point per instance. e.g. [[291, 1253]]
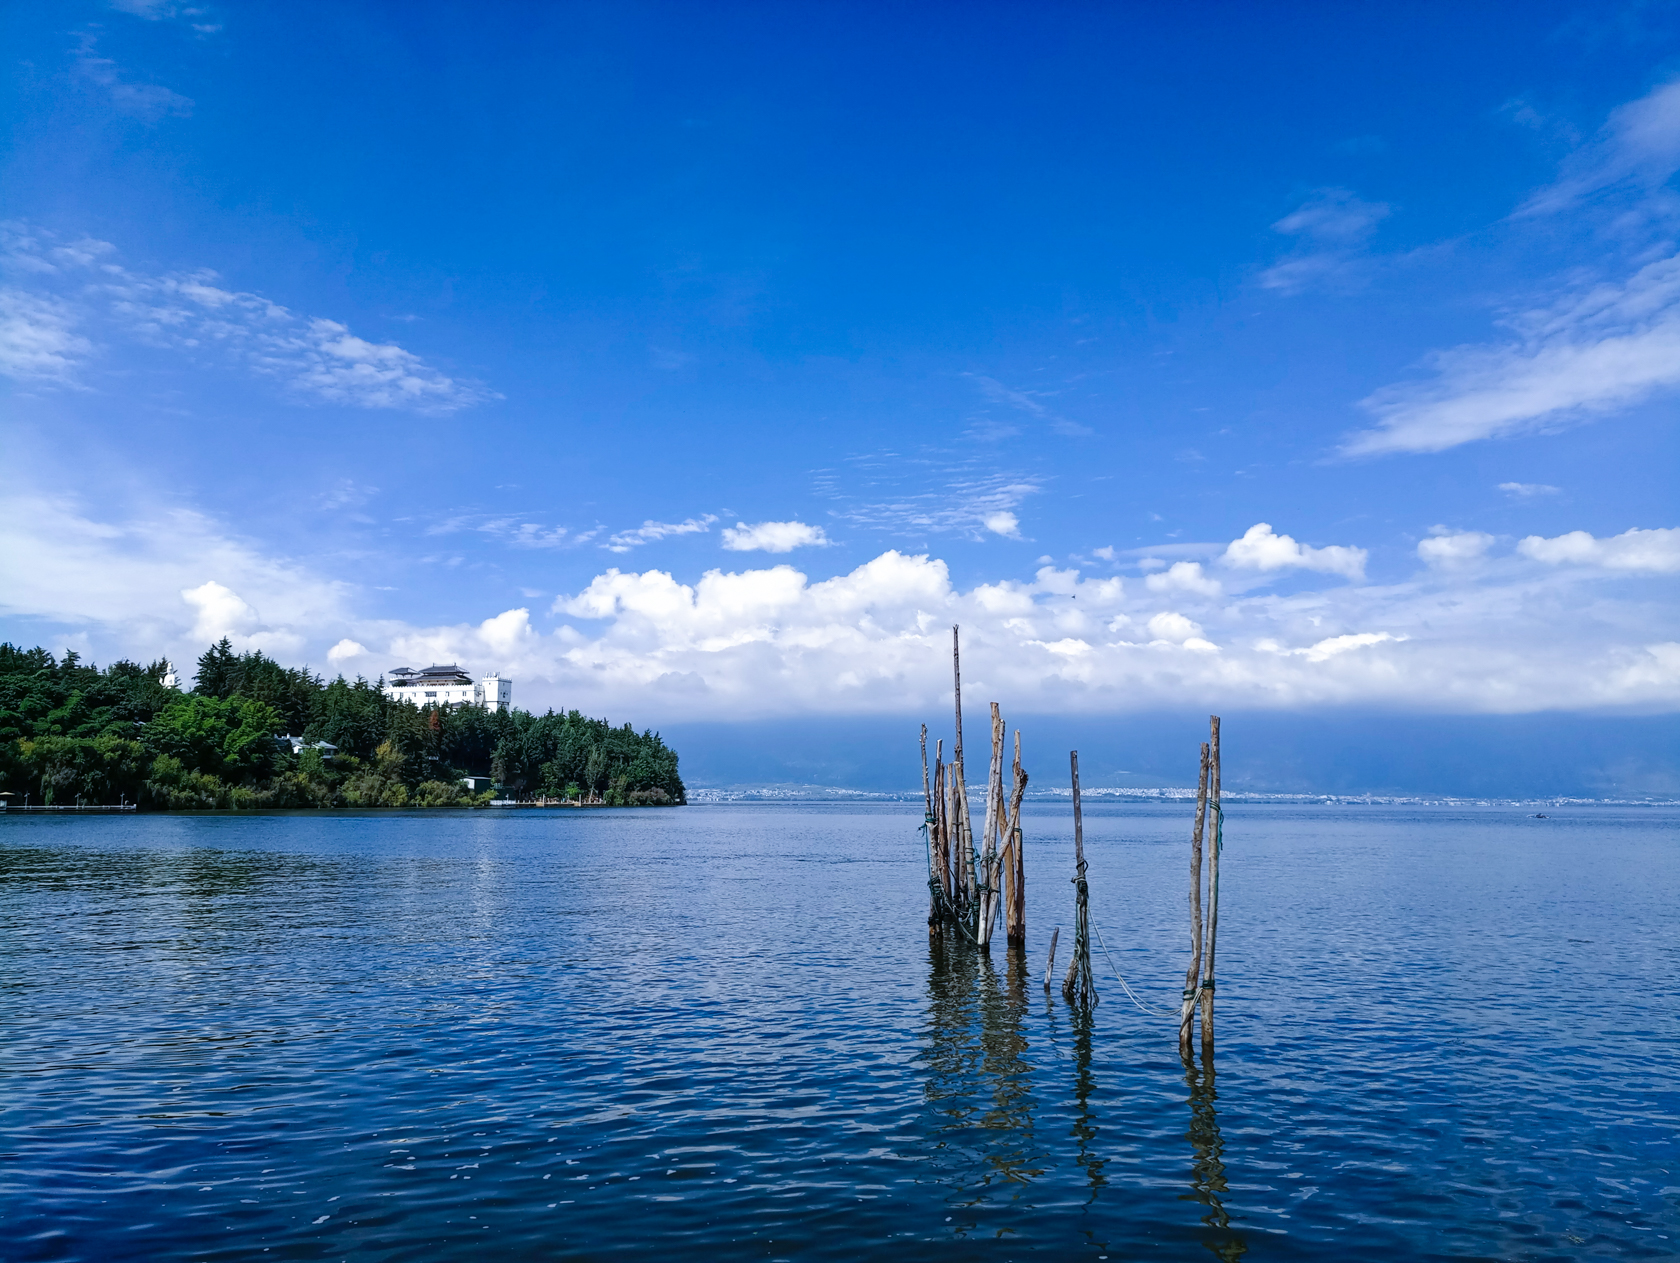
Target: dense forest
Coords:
[[72, 733]]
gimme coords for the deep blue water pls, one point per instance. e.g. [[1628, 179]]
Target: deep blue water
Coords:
[[723, 1031]]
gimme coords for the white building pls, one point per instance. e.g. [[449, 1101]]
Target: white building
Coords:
[[448, 685]]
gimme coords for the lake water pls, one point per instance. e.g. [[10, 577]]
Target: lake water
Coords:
[[1443, 1032]]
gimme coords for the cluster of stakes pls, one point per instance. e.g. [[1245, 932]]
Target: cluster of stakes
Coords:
[[971, 880]]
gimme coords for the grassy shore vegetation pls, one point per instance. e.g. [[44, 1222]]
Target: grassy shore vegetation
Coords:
[[73, 733]]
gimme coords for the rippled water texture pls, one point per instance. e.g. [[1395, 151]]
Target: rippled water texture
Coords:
[[1442, 1032]]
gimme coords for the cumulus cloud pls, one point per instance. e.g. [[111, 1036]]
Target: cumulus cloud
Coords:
[[1657, 552], [346, 651], [1448, 548], [1003, 523], [650, 531], [1183, 576], [773, 537], [190, 313], [1173, 626], [1528, 490], [1261, 548]]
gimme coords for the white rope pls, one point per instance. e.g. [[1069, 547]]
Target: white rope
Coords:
[[1142, 1007]]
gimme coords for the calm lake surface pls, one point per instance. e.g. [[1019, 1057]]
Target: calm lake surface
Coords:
[[1443, 1032]]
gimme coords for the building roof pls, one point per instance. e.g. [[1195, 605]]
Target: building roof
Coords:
[[434, 674]]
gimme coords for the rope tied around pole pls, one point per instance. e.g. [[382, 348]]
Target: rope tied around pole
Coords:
[[937, 888], [1080, 987]]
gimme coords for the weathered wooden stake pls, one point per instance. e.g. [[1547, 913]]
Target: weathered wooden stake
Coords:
[[1014, 866], [988, 837], [1050, 965], [1079, 988], [959, 789], [1216, 816], [1193, 975], [942, 830], [928, 824]]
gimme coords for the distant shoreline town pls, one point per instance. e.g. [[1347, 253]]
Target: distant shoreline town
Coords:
[[252, 734]]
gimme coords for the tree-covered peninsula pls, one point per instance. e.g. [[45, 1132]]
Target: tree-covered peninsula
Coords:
[[72, 733]]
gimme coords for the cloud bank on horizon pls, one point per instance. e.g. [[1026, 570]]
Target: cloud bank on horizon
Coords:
[[772, 641], [1276, 414]]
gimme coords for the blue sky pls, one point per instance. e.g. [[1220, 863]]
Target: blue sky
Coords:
[[707, 362]]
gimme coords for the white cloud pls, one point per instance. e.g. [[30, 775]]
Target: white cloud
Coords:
[[1183, 576], [345, 651], [1333, 215], [315, 359], [535, 535], [1638, 146], [1599, 346], [1333, 226], [773, 537], [955, 501], [1607, 352], [1173, 626], [1507, 636], [650, 531], [37, 337], [1333, 645], [1528, 490], [1031, 402], [1657, 551], [149, 101], [165, 581], [1261, 549], [1446, 548], [1003, 523], [221, 612]]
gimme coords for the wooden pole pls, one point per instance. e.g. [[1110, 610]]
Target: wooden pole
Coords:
[[1217, 819], [1079, 987], [964, 826], [1002, 884], [932, 849], [1193, 974], [988, 842], [1015, 871], [942, 824], [1050, 964]]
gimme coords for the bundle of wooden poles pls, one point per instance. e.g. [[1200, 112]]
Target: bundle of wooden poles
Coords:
[[969, 882], [967, 886]]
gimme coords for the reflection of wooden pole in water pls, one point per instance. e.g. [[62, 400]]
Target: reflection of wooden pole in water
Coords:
[[1050, 964], [1079, 988], [1217, 818], [1084, 1125], [1207, 1169], [1193, 975]]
